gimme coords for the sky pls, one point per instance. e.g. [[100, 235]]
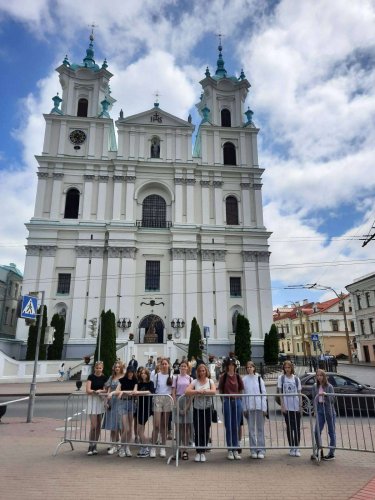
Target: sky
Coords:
[[311, 65]]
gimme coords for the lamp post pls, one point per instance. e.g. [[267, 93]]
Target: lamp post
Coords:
[[176, 324]]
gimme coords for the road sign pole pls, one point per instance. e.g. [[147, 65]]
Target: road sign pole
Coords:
[[30, 409]]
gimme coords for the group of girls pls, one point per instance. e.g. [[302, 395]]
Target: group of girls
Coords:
[[129, 399]]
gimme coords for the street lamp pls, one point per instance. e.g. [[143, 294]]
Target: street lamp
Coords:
[[124, 323], [177, 323]]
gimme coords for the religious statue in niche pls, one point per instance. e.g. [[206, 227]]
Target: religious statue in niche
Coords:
[[155, 147]]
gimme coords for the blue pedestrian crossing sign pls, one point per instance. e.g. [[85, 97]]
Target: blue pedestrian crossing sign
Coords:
[[314, 337], [29, 307]]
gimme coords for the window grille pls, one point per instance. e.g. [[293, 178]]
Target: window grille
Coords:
[[154, 211], [235, 287], [231, 207], [63, 285], [152, 281]]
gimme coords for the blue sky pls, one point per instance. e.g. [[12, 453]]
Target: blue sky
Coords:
[[311, 67]]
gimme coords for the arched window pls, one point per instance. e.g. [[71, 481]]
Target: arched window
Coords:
[[229, 154], [225, 118], [231, 208], [83, 105], [154, 211], [155, 147], [234, 321], [71, 204]]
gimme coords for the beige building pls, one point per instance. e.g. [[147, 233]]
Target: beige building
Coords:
[[299, 324], [362, 292]]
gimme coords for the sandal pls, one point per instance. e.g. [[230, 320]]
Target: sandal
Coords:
[[185, 455]]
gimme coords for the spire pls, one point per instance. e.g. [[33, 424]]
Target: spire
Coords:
[[89, 59], [220, 71]]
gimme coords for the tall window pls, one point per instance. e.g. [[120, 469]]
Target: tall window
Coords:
[[154, 211], [71, 204], [335, 325], [362, 325], [229, 154], [63, 284], [368, 299], [231, 208], [371, 324], [225, 118], [235, 287], [352, 326], [152, 281], [82, 108], [234, 321]]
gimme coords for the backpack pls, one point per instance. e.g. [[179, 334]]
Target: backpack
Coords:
[[277, 398]]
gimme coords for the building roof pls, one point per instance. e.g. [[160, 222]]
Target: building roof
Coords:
[[13, 268]]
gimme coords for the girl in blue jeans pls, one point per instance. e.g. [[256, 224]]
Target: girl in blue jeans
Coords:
[[324, 403], [231, 384]]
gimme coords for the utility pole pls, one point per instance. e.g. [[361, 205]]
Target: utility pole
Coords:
[[30, 409]]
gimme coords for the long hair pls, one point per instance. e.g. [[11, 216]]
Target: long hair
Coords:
[[121, 365], [325, 379], [288, 362]]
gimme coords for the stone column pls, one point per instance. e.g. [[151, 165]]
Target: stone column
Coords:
[[242, 150], [177, 284], [129, 209], [62, 139], [221, 296], [191, 288], [190, 201], [178, 200], [218, 152], [87, 196], [219, 204], [118, 183], [95, 283], [102, 197], [47, 137], [40, 194], [92, 141], [208, 312], [205, 201], [128, 288], [56, 195], [105, 144], [78, 329], [257, 186], [247, 210], [132, 144]]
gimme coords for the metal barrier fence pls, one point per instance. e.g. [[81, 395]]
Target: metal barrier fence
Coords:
[[145, 425]]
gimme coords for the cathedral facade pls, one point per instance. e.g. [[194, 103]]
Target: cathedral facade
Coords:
[[130, 217]]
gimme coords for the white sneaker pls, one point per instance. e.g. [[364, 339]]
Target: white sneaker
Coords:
[[236, 455], [297, 453], [122, 453], [254, 454], [152, 453], [203, 457], [162, 453], [292, 452], [230, 455], [260, 455], [94, 450], [197, 457], [112, 450], [90, 452], [128, 453]]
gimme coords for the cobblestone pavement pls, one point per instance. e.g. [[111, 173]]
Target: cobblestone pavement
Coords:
[[30, 471]]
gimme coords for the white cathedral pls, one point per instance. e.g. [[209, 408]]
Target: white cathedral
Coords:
[[130, 217]]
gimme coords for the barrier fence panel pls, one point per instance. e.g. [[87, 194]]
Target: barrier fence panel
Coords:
[[139, 424], [189, 428]]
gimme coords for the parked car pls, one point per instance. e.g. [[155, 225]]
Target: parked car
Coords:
[[345, 405]]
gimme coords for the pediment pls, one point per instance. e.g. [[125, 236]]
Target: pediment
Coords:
[[154, 116]]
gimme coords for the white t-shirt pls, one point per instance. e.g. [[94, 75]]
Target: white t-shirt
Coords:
[[291, 385], [160, 383]]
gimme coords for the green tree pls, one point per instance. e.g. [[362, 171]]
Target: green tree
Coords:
[[273, 339], [266, 346], [56, 348], [107, 341], [194, 341], [242, 343], [33, 334]]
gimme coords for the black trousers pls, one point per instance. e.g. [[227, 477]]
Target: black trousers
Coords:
[[293, 427], [202, 426]]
